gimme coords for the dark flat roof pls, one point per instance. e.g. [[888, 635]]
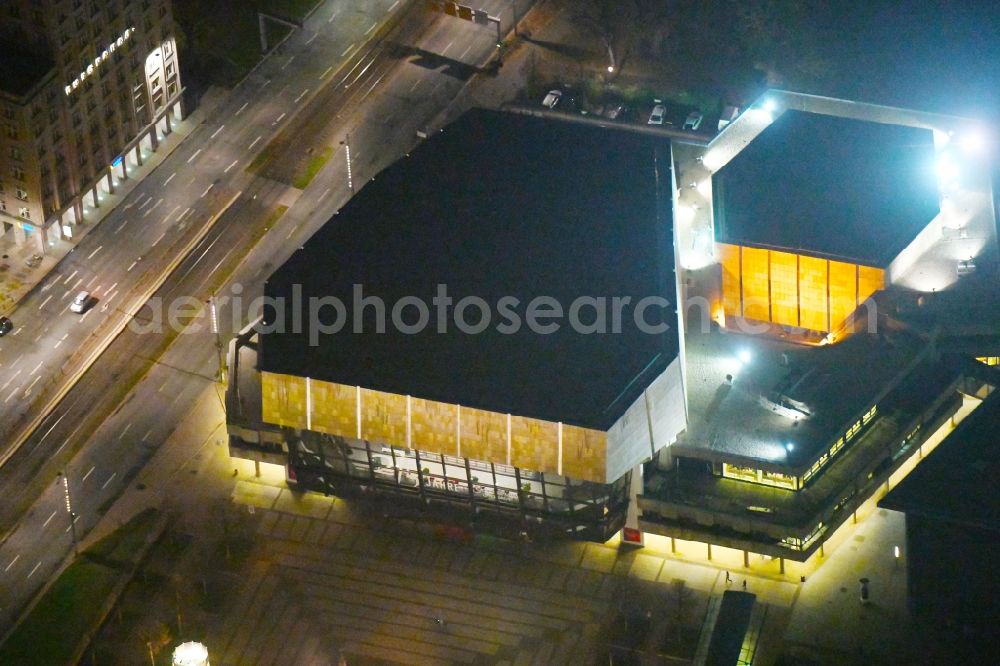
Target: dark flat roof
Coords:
[[498, 205], [19, 71], [957, 482], [828, 186]]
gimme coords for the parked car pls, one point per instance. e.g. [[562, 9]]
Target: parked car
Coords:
[[6, 326], [656, 117], [552, 99], [80, 303], [728, 115], [693, 121]]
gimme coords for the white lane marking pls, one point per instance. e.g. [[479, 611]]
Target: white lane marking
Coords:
[[77, 284], [465, 52], [222, 127], [371, 28], [17, 331], [16, 558], [146, 436], [416, 84], [325, 72], [387, 119], [170, 178], [129, 269], [34, 381], [264, 85], [333, 16], [121, 226], [125, 430], [159, 390], [325, 192], [112, 287], [32, 373], [70, 276], [310, 40], [84, 317], [91, 255], [12, 394], [47, 299], [34, 569], [89, 471], [146, 202], [230, 166], [176, 208], [196, 153], [278, 120], [105, 484], [12, 378], [288, 63], [240, 110], [48, 520], [159, 239], [301, 95], [210, 186], [347, 50], [72, 520], [220, 262], [448, 47], [254, 143], [186, 211], [394, 5], [292, 231]]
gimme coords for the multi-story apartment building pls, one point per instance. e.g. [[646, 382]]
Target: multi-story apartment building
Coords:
[[85, 86]]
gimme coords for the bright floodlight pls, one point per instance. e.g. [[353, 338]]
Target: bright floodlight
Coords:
[[611, 69], [744, 356], [789, 446], [946, 168], [770, 105], [190, 654], [973, 141]]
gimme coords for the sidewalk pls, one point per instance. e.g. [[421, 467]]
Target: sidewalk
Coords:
[[17, 278]]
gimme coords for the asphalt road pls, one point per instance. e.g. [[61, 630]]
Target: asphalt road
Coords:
[[381, 98]]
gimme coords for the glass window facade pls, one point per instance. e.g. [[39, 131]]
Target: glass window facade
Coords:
[[336, 465]]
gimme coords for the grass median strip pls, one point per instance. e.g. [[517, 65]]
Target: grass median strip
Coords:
[[313, 167], [75, 605]]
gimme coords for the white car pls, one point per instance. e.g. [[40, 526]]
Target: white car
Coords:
[[693, 121], [656, 117], [552, 99], [80, 303]]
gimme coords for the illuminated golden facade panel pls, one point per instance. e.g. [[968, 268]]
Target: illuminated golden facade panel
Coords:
[[433, 426], [534, 444], [756, 293], [784, 288], [334, 408], [383, 417], [283, 400], [484, 435], [583, 453], [843, 291], [870, 280], [813, 304], [791, 289], [729, 259]]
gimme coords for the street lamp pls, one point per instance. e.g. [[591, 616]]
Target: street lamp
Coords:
[[69, 510]]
